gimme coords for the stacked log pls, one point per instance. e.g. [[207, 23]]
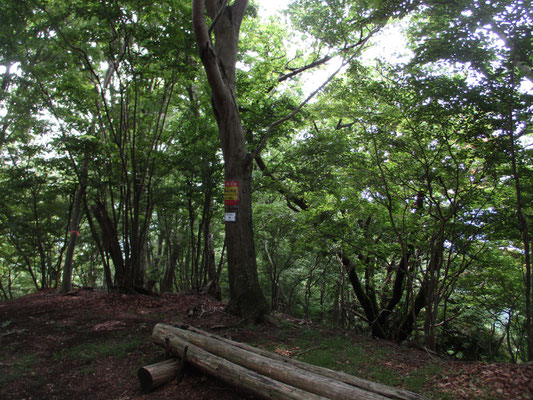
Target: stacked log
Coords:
[[155, 375], [265, 374]]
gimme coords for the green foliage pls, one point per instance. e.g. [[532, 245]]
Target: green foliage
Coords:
[[338, 23], [386, 160]]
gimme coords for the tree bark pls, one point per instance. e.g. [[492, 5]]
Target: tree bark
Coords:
[[173, 247], [105, 261], [66, 285], [246, 296], [369, 308], [315, 381], [111, 243]]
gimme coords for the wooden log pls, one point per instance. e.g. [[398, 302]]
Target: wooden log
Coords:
[[278, 370], [155, 375], [387, 391], [181, 368], [229, 372]]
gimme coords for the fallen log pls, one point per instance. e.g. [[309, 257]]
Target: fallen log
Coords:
[[155, 375], [387, 391], [313, 381], [229, 372]]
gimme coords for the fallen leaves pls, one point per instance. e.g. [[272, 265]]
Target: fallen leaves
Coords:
[[477, 380], [41, 321], [287, 352]]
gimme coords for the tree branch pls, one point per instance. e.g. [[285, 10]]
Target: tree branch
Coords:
[[238, 9], [207, 53], [360, 43], [296, 71], [290, 197], [219, 13], [299, 108]]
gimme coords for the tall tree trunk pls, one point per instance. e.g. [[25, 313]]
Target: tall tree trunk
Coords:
[[371, 313], [208, 253], [219, 60], [173, 248], [273, 272], [103, 256], [38, 239], [404, 326], [111, 243], [527, 238], [211, 266], [66, 285], [523, 223], [432, 297]]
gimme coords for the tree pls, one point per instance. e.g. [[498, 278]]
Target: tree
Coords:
[[402, 194], [34, 225], [123, 107], [219, 60], [66, 284], [491, 40]]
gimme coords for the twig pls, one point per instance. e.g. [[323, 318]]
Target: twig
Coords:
[[299, 353]]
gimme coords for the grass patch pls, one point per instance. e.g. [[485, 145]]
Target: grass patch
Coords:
[[342, 354], [384, 375], [376, 370], [86, 370], [333, 352], [115, 347], [5, 324], [418, 379], [284, 332], [22, 366]]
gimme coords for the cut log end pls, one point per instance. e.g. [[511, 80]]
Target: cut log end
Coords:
[[155, 375], [145, 378]]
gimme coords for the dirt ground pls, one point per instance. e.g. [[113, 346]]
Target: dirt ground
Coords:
[[90, 345]]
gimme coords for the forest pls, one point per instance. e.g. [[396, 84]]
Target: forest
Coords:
[[391, 192]]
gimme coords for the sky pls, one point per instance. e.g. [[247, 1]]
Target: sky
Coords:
[[391, 43], [270, 7]]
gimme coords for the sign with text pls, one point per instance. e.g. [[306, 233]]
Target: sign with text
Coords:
[[230, 217], [231, 193]]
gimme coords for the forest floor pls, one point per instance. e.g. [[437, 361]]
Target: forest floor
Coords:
[[89, 345]]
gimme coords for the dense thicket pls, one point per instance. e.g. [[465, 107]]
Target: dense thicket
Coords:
[[395, 200]]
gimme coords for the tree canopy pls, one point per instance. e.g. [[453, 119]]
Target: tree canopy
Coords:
[[390, 196]]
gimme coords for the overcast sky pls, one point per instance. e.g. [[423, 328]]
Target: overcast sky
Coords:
[[269, 7]]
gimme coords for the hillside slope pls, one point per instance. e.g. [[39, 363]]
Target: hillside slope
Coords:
[[91, 344]]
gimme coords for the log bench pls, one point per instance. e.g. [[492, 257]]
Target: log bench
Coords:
[[267, 375]]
